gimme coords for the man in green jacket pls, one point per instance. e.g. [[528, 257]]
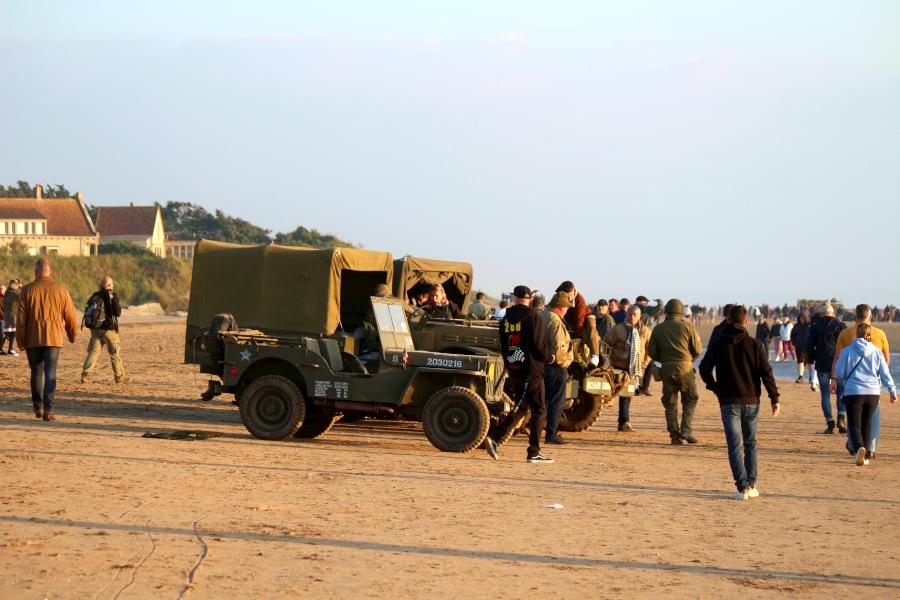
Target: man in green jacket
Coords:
[[675, 344]]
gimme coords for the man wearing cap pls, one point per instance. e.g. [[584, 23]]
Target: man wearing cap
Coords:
[[556, 373], [821, 345], [675, 344], [604, 319], [524, 355]]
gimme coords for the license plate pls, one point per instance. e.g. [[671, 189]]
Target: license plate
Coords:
[[597, 385]]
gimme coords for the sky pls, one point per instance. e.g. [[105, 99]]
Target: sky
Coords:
[[712, 151]]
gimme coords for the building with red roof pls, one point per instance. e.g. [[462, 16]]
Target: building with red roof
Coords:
[[48, 225]]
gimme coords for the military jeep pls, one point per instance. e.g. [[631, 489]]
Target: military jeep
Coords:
[[589, 390], [300, 365]]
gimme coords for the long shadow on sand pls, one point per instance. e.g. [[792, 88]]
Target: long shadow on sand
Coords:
[[539, 559], [450, 478]]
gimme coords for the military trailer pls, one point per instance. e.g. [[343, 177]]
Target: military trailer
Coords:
[[589, 389], [313, 343]]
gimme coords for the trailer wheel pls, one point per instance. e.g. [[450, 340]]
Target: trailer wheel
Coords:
[[583, 413], [456, 419], [272, 407]]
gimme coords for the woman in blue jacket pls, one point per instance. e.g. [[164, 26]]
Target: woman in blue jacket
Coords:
[[862, 368]]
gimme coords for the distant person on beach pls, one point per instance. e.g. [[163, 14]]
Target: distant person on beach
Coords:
[[762, 332], [775, 336], [628, 351], [863, 315], [741, 369], [675, 344], [862, 369], [501, 310], [45, 319], [105, 332], [718, 329], [10, 310], [619, 315], [478, 309], [785, 333], [821, 344], [798, 338], [524, 355]]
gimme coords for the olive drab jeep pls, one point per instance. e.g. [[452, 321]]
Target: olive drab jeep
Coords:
[[291, 378], [589, 389]]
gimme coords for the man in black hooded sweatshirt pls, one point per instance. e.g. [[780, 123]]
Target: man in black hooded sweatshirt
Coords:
[[524, 354], [742, 365]]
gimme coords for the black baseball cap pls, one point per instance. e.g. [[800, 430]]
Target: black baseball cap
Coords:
[[602, 302], [642, 299], [521, 291]]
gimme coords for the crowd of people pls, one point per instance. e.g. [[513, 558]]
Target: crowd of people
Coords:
[[645, 342], [850, 363]]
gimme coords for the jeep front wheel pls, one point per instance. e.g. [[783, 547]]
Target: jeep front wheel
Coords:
[[456, 419], [272, 407]]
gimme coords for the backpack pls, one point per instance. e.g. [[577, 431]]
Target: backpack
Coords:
[[832, 332], [94, 313]]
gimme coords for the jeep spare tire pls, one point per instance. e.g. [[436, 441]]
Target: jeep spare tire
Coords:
[[456, 419], [272, 407]]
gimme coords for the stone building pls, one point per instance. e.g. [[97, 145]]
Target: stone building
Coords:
[[140, 225], [42, 226]]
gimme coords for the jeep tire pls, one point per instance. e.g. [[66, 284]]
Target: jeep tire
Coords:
[[272, 407], [318, 420], [456, 419]]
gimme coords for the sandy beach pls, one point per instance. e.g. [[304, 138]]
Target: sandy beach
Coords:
[[91, 509]]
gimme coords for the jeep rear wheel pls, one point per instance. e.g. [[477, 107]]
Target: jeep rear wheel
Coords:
[[272, 407], [456, 419], [318, 420], [583, 413]]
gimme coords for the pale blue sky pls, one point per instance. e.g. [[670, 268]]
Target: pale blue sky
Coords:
[[714, 151]]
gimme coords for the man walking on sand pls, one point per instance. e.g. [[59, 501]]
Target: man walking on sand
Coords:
[[524, 354], [741, 364], [105, 332], [675, 344], [46, 317]]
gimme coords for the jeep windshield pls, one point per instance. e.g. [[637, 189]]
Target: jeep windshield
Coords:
[[393, 329]]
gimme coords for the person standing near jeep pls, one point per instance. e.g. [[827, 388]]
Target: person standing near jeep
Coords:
[[104, 331], [556, 373], [45, 319], [675, 344], [524, 355]]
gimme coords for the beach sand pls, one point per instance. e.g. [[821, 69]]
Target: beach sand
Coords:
[[90, 509]]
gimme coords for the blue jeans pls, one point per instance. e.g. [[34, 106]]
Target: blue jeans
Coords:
[[555, 378], [43, 361], [825, 391], [740, 421]]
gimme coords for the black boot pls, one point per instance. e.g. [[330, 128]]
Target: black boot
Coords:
[[830, 428]]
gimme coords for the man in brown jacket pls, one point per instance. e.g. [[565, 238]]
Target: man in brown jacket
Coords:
[[556, 373], [46, 318], [628, 342]]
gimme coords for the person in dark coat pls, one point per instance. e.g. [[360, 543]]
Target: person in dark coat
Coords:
[[798, 338], [741, 369], [524, 355], [106, 334], [762, 333]]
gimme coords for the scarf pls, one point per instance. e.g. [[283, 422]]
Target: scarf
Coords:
[[634, 362]]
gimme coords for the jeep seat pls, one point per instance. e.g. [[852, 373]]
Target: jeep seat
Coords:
[[331, 351]]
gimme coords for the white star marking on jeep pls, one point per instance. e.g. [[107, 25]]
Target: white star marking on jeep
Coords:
[[245, 355]]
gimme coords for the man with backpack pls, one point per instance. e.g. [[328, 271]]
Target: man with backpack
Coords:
[[101, 316], [821, 345]]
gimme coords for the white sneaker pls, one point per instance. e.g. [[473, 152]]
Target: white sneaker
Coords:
[[745, 495], [12, 353], [753, 493], [861, 457]]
